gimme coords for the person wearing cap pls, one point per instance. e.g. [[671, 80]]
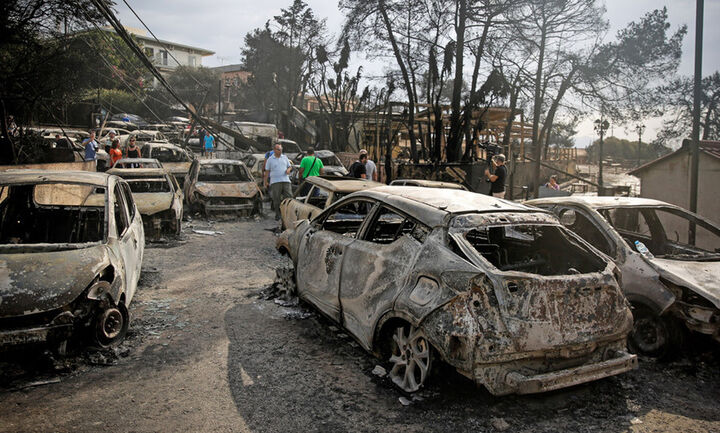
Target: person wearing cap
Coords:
[[370, 168], [109, 140], [497, 178]]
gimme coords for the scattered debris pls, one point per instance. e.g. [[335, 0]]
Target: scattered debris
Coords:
[[207, 232], [405, 401], [636, 421], [40, 383], [379, 371], [500, 424]]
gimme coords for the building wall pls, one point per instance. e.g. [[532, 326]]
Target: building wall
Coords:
[[669, 181], [184, 57]]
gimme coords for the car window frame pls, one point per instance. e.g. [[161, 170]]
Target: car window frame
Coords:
[[611, 241], [123, 204], [368, 224], [319, 221]]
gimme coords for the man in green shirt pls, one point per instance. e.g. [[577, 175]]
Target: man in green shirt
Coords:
[[310, 165]]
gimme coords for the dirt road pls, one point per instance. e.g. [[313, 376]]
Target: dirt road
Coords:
[[206, 353]]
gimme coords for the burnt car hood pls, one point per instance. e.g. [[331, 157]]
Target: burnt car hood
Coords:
[[177, 167], [700, 277], [152, 203], [35, 282], [230, 189]]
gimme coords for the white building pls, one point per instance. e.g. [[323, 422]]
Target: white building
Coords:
[[161, 52]]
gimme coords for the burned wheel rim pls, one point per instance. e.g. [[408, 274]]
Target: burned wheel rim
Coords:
[[648, 335], [111, 325], [411, 358]]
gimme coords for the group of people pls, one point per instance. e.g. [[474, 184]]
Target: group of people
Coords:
[[111, 146]]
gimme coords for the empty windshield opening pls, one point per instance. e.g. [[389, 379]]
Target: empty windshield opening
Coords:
[[331, 160], [532, 248], [223, 173], [52, 213]]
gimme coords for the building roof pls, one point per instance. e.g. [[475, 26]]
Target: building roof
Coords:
[[238, 67], [708, 147], [143, 37]]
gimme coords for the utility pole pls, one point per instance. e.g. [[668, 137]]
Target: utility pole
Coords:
[[601, 125], [697, 95], [219, 101], [640, 129]]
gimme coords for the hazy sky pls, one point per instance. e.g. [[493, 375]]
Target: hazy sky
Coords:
[[221, 25]]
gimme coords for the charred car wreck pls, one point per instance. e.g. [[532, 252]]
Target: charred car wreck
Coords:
[[500, 291], [158, 198], [674, 286], [71, 249], [222, 185]]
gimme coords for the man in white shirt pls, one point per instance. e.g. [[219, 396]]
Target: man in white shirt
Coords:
[[277, 169], [370, 168]]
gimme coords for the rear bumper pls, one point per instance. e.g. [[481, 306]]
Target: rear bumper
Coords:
[[529, 384]]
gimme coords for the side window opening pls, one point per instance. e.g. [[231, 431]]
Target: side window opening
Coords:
[[129, 200], [390, 226], [347, 219], [121, 217], [317, 197]]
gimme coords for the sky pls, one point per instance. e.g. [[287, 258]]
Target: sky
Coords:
[[221, 25]]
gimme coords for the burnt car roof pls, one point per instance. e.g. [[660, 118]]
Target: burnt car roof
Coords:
[[433, 205], [138, 171], [44, 176], [431, 183], [138, 160], [602, 202], [346, 185], [220, 161]]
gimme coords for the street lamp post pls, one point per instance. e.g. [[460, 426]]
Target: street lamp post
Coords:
[[640, 129], [601, 125]]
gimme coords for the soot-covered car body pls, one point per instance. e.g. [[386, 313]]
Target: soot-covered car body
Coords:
[[500, 291], [222, 185], [158, 197], [674, 287], [71, 249]]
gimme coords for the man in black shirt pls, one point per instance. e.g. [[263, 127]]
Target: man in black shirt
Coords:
[[357, 169], [497, 179]]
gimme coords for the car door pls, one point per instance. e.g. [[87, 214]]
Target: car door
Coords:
[[322, 248], [378, 267], [130, 237]]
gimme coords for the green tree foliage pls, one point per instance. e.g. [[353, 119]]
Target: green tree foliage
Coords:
[[280, 59], [621, 150]]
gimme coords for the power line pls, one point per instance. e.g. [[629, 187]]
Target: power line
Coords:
[[163, 45]]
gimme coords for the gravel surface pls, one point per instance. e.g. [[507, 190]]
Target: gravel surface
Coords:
[[206, 352]]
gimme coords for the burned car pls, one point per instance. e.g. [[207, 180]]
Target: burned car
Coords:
[[500, 291], [331, 164], [137, 163], [673, 285], [157, 196], [222, 185], [427, 183], [71, 249], [316, 193], [174, 158]]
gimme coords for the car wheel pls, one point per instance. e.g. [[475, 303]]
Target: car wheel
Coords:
[[653, 335], [411, 358], [111, 325]]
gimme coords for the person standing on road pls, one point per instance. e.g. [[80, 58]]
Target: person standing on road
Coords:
[[115, 152], [497, 179], [277, 170], [553, 183], [357, 169], [209, 144], [311, 165], [109, 140], [91, 147], [370, 168], [132, 151]]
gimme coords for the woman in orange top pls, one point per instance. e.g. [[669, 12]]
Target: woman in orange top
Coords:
[[115, 152]]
